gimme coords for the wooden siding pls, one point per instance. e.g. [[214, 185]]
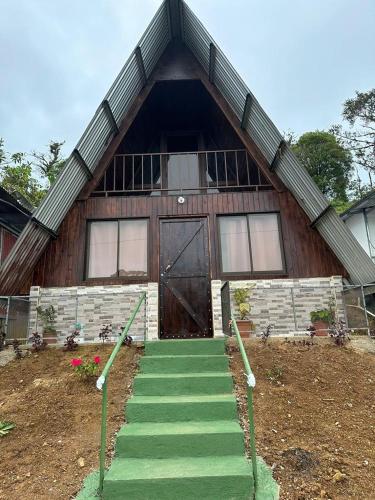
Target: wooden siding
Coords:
[[7, 241], [306, 253]]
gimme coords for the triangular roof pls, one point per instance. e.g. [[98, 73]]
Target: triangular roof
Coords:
[[175, 20]]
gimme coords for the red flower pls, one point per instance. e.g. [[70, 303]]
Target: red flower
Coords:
[[97, 360], [76, 362]]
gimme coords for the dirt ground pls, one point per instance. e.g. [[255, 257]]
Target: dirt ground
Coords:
[[314, 417], [56, 440]]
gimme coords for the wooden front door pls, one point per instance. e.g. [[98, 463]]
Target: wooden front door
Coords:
[[185, 295]]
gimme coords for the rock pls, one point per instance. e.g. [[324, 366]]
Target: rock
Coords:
[[338, 477], [81, 462], [28, 474]]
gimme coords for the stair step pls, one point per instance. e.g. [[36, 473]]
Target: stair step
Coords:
[[180, 439], [155, 384], [184, 364], [185, 347], [181, 408], [219, 478]]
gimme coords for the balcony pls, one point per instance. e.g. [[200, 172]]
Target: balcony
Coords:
[[156, 174]]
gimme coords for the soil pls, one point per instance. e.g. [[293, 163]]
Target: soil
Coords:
[[55, 443], [314, 416]]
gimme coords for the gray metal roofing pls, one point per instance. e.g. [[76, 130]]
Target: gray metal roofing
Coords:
[[367, 201], [175, 18]]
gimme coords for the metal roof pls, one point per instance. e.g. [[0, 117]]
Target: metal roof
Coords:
[[367, 201], [174, 19]]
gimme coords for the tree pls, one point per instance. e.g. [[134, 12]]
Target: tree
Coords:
[[328, 162], [17, 173], [50, 163], [359, 113]]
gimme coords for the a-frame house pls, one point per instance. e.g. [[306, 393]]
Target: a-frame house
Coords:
[[181, 180]]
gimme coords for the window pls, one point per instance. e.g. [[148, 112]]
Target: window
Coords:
[[117, 248], [250, 243]]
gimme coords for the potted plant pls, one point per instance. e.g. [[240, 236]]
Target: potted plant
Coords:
[[321, 321], [241, 298], [48, 318]]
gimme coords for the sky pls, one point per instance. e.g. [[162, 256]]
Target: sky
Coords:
[[58, 58]]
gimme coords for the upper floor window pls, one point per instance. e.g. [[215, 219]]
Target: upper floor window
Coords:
[[117, 248], [251, 243]]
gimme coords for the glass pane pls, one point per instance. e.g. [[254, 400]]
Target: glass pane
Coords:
[[183, 173], [265, 242], [234, 244], [102, 249], [119, 171], [133, 248]]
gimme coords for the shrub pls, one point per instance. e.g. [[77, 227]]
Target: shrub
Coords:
[[105, 332], [38, 344], [275, 374], [266, 333], [70, 343], [2, 340], [339, 333], [17, 349], [321, 315], [86, 369]]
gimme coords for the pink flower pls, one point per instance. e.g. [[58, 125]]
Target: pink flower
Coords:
[[97, 360], [76, 362]]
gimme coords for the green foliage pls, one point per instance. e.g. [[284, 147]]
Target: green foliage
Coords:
[[321, 315], [328, 162], [6, 427], [275, 374], [48, 317], [241, 298], [328, 315], [359, 112], [28, 177]]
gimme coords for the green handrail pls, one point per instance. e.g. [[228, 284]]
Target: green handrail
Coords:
[[101, 384], [250, 406]]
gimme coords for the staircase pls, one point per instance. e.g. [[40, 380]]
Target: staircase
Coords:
[[183, 440]]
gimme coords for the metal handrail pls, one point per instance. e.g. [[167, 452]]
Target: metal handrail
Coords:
[[250, 406], [101, 384], [218, 169]]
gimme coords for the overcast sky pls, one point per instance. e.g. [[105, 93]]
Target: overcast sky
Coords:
[[301, 58]]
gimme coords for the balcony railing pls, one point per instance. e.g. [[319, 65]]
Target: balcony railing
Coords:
[[153, 174]]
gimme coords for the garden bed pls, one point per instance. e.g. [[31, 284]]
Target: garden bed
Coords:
[[55, 443], [314, 416]]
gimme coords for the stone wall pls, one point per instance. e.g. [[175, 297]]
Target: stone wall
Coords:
[[94, 306], [286, 303]]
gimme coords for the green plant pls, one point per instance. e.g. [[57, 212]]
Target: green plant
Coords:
[[48, 317], [17, 349], [5, 428], [241, 298], [38, 344], [275, 374], [86, 369]]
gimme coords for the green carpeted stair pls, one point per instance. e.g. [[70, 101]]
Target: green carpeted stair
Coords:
[[183, 440]]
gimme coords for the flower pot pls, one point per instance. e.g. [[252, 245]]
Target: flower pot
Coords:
[[245, 327], [321, 328], [50, 336]]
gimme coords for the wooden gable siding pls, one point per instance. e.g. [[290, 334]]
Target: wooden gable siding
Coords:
[[306, 254]]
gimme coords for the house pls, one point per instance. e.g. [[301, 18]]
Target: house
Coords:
[[180, 184], [13, 219], [360, 219]]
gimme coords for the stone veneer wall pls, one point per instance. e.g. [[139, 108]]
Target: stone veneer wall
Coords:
[[93, 306], [287, 303]]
